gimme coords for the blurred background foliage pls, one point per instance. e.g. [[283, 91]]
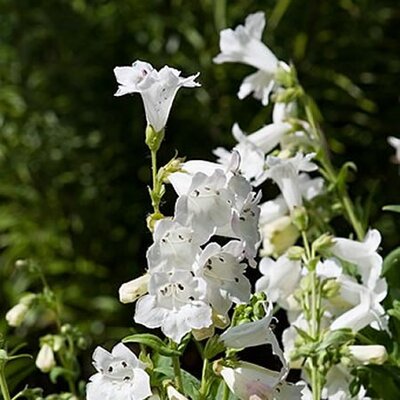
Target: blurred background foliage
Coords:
[[73, 164]]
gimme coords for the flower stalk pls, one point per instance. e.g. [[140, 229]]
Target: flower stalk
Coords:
[[3, 382]]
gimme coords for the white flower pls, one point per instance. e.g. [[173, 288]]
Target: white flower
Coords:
[[173, 394], [362, 305], [255, 333], [251, 382], [175, 304], [157, 88], [244, 45], [207, 204], [130, 291], [252, 149], [175, 247], [16, 314], [45, 360], [285, 173], [363, 254], [222, 270], [368, 354], [395, 142], [280, 278], [120, 376]]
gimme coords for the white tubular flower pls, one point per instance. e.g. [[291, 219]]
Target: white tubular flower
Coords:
[[222, 270], [283, 111], [16, 315], [362, 303], [285, 173], [280, 279], [175, 304], [175, 247], [363, 254], [370, 354], [157, 88], [244, 45], [45, 360], [255, 333], [251, 382], [120, 375], [252, 149], [173, 394], [395, 143], [130, 291], [337, 384]]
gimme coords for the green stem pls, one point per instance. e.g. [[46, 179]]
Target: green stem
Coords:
[[314, 305], [155, 203], [178, 374], [204, 385], [225, 393], [344, 197], [3, 384]]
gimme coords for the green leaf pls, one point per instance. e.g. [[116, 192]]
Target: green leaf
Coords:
[[391, 268], [394, 208], [153, 342]]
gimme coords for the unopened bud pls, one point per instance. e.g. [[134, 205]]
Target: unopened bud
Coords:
[[130, 291], [330, 288], [278, 236], [16, 314], [21, 263], [45, 360], [370, 354], [300, 218], [323, 243], [295, 253], [173, 394]]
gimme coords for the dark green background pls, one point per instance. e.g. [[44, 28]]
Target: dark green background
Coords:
[[73, 164]]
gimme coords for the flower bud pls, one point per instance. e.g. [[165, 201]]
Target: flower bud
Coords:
[[295, 253], [130, 291], [173, 394], [323, 243], [16, 314], [278, 236], [371, 354], [300, 218], [45, 360]]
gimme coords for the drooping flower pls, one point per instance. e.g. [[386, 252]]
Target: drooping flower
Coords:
[[285, 173], [395, 143], [174, 303], [120, 376], [16, 314], [363, 254], [250, 381], [45, 359], [244, 45], [157, 88]]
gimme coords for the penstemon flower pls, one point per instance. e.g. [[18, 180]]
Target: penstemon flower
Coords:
[[280, 278], [285, 173], [174, 303], [120, 376], [45, 359], [157, 88], [244, 45]]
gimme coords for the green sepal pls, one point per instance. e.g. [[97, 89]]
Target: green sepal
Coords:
[[154, 342]]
